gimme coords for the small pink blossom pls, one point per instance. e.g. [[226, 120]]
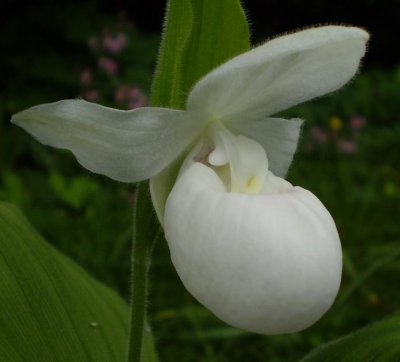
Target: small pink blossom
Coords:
[[114, 44], [86, 76], [92, 95], [137, 103], [136, 98], [357, 123], [346, 146], [120, 94], [108, 65], [132, 96], [133, 92], [319, 134]]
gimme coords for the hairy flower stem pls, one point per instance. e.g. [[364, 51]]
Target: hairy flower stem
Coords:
[[145, 232]]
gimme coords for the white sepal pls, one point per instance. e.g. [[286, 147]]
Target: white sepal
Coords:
[[281, 73], [268, 263], [126, 146]]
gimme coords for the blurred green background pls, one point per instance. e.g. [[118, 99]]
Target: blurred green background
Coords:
[[349, 156]]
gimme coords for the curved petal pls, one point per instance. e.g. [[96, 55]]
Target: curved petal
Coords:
[[278, 136], [246, 158], [265, 263], [126, 146], [281, 73]]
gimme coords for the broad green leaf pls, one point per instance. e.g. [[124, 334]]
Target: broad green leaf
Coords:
[[220, 32], [377, 342], [198, 36], [167, 82], [51, 309]]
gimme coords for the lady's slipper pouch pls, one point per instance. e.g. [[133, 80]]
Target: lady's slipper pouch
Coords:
[[261, 254]]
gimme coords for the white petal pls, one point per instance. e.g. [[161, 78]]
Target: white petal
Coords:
[[265, 263], [281, 73], [127, 146], [279, 137], [247, 159]]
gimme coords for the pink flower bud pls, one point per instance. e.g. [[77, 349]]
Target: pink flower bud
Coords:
[[120, 94], [136, 98], [86, 76], [108, 65], [357, 123], [319, 134], [114, 44], [92, 95], [346, 146]]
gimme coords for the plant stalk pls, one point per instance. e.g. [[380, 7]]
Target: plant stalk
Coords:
[[145, 233]]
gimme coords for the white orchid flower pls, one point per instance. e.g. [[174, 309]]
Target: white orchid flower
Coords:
[[261, 254]]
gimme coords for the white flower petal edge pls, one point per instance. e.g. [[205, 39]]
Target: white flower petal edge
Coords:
[[127, 146], [283, 72], [268, 263]]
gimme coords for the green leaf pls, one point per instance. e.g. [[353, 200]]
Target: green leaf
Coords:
[[74, 193], [198, 36], [166, 88], [220, 32], [13, 188], [51, 309], [377, 342]]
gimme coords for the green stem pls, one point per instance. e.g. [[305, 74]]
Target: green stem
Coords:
[[145, 232], [139, 287]]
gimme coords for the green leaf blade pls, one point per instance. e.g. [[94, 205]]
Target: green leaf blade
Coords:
[[166, 87], [377, 342], [220, 32], [198, 36], [50, 308]]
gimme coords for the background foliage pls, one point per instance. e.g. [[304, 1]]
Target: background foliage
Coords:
[[348, 156]]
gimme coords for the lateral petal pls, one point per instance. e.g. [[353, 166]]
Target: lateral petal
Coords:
[[127, 146], [281, 73], [278, 136], [265, 263]]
